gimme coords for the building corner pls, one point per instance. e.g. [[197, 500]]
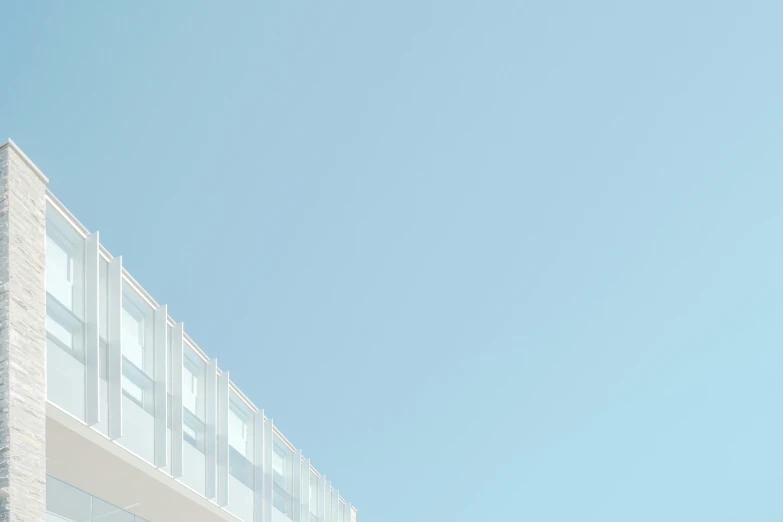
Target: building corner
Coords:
[[22, 338]]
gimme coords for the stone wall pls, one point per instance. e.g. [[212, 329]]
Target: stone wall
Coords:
[[22, 340]]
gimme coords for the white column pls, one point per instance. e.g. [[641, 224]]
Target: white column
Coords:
[[92, 369], [115, 348], [348, 511], [269, 440], [297, 480], [177, 417], [259, 466], [335, 505], [306, 490], [160, 354], [321, 497], [222, 497], [211, 429], [328, 505]]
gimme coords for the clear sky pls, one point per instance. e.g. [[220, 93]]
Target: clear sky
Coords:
[[494, 260]]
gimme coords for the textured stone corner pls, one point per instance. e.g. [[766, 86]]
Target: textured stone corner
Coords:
[[22, 341]]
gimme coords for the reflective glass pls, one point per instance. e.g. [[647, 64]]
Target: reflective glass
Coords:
[[64, 263], [282, 482], [66, 503], [59, 268], [313, 493], [193, 415], [328, 505], [104, 512], [133, 323]]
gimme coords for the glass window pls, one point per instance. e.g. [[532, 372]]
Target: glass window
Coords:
[[64, 329], [282, 483], [64, 263], [137, 346], [139, 387], [313, 496], [64, 284], [133, 323], [193, 431], [193, 393], [189, 387], [238, 428], [193, 383], [59, 270], [240, 440], [64, 314]]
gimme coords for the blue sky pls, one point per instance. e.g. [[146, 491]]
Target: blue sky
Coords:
[[481, 260]]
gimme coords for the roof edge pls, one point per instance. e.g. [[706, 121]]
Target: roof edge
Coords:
[[8, 142]]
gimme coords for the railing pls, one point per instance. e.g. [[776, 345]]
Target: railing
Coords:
[[66, 503]]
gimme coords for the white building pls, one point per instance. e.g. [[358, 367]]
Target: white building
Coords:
[[109, 411]]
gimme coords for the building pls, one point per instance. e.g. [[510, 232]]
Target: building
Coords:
[[108, 409]]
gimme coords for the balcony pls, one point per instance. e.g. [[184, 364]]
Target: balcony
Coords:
[[127, 383]]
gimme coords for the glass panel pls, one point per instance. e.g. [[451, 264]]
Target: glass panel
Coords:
[[193, 383], [59, 269], [106, 512], [240, 499], [282, 483], [67, 502], [240, 468], [313, 493], [138, 384], [328, 505], [64, 263], [64, 314], [194, 460], [240, 427], [340, 511], [237, 430], [64, 359], [138, 411], [194, 431], [194, 417], [133, 329], [65, 329]]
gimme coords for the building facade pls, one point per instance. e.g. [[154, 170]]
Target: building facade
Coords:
[[109, 411]]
